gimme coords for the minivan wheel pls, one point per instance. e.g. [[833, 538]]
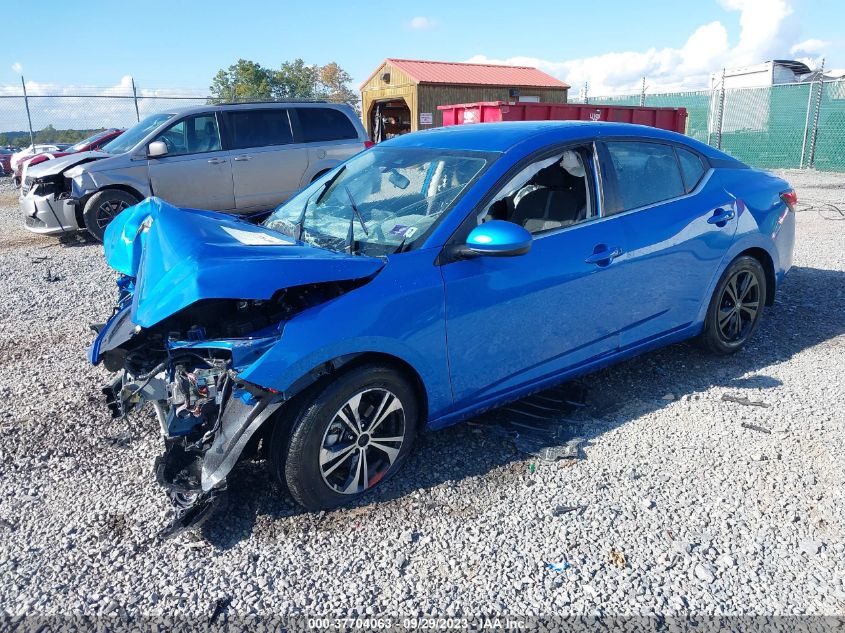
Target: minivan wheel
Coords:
[[346, 437], [735, 308], [103, 207]]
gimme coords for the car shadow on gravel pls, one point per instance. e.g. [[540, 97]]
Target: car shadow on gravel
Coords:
[[809, 310]]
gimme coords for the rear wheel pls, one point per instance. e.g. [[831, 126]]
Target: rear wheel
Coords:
[[345, 438], [103, 207], [735, 308]]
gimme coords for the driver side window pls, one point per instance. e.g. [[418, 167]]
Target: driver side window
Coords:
[[548, 194], [192, 135]]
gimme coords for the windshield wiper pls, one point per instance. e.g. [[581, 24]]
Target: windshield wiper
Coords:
[[328, 184], [350, 234]]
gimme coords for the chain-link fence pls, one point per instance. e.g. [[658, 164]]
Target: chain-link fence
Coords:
[[68, 115], [787, 126], [790, 125]]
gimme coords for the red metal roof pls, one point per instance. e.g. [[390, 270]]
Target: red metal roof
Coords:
[[430, 72]]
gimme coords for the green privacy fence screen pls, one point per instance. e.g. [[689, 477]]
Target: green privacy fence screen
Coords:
[[784, 126]]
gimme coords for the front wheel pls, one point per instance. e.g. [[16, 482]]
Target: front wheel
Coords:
[[345, 438], [103, 207], [735, 308]]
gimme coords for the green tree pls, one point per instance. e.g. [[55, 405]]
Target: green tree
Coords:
[[243, 80], [297, 80], [294, 80]]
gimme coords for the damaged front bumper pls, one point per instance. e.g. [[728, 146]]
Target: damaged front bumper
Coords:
[[48, 214], [206, 413]]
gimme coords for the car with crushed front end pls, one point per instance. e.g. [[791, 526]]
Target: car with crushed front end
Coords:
[[242, 159], [435, 276], [90, 143]]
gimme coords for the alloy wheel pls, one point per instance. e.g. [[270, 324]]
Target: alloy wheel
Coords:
[[108, 210], [362, 441], [739, 306]]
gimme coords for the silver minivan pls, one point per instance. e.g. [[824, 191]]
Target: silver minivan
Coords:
[[235, 158]]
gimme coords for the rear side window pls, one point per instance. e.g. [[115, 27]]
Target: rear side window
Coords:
[[325, 124], [692, 168], [646, 173], [259, 128]]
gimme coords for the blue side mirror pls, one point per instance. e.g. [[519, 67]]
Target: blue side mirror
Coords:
[[498, 238]]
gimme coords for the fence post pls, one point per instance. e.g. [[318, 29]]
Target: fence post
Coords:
[[642, 94], [807, 122], [135, 98], [721, 112], [814, 135], [28, 117]]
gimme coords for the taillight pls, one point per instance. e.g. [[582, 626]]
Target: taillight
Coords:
[[368, 144], [790, 198]]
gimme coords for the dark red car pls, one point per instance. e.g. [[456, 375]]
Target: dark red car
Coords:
[[94, 142], [5, 161]]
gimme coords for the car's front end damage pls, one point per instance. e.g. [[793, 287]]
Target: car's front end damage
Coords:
[[201, 298], [49, 198]]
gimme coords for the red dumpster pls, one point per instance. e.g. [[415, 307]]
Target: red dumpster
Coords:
[[674, 119]]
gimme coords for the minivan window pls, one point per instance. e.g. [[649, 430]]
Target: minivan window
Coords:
[[131, 137], [192, 135], [646, 173], [259, 128], [692, 168], [325, 124]]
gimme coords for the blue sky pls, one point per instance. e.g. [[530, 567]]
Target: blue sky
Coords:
[[610, 43]]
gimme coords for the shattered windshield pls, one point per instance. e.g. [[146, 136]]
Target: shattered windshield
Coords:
[[131, 137], [380, 201]]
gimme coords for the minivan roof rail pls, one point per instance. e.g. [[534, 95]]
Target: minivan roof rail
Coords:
[[272, 101]]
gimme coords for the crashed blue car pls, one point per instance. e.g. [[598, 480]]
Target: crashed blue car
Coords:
[[434, 276]]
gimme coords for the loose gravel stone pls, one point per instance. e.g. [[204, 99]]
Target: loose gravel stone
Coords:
[[457, 531]]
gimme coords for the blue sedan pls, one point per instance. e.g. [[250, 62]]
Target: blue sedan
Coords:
[[424, 280]]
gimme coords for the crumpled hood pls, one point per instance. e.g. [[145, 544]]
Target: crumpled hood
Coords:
[[58, 165], [180, 256]]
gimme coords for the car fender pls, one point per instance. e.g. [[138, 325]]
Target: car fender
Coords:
[[742, 242], [410, 327]]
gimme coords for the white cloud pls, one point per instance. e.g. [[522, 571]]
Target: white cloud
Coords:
[[812, 45], [421, 23], [766, 32], [18, 68]]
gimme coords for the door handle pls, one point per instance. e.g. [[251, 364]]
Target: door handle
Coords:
[[243, 157], [721, 217], [603, 255], [216, 161]]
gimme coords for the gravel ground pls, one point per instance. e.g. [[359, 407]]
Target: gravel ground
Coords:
[[685, 509]]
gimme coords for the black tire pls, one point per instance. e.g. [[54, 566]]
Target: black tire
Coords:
[[729, 324], [102, 208], [314, 426]]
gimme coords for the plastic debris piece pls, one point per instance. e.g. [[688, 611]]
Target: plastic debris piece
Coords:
[[618, 559], [562, 566], [532, 468], [542, 424], [744, 401], [754, 427], [561, 510]]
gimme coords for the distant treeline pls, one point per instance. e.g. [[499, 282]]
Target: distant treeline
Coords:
[[47, 134]]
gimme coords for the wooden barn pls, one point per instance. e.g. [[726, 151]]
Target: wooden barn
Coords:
[[402, 95]]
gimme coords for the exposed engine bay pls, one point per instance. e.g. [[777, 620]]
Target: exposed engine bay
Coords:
[[186, 367]]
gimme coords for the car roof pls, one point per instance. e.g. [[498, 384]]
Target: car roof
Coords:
[[500, 137], [211, 107]]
